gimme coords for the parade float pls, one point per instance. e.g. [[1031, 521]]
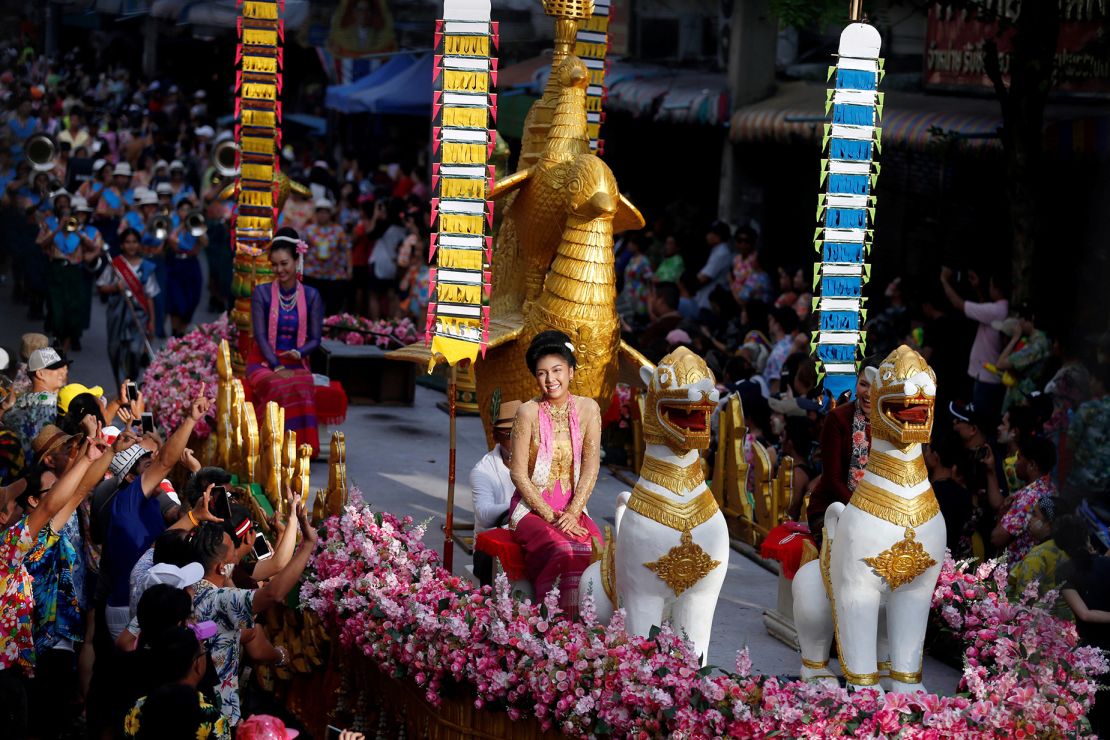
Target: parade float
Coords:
[[391, 641]]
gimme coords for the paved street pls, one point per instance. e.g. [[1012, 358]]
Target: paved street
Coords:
[[397, 457]]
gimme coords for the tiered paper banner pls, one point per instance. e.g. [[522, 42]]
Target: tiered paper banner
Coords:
[[464, 113], [592, 47], [258, 120], [846, 208]]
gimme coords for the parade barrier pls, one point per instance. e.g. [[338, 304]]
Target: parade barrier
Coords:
[[425, 642]]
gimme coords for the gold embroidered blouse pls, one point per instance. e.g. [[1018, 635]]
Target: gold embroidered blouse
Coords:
[[525, 446]]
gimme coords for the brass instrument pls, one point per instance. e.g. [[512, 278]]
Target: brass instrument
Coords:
[[160, 225], [224, 157], [41, 152], [70, 225], [195, 222]]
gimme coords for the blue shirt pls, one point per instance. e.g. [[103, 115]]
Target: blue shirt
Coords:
[[66, 242], [136, 521], [20, 132]]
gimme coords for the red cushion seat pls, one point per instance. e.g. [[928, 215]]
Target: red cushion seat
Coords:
[[786, 543], [499, 543]]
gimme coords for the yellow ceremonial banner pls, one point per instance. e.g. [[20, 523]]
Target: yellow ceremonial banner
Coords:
[[597, 23], [258, 91], [460, 259], [471, 294], [263, 10], [586, 49], [593, 103], [454, 223], [263, 172], [462, 81], [259, 37], [469, 46], [259, 118], [257, 144], [454, 187], [257, 223], [467, 117], [260, 65], [452, 350], [458, 153], [259, 198]]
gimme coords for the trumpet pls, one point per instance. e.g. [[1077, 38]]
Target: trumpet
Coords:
[[160, 225], [41, 152], [196, 223], [70, 225], [224, 159]]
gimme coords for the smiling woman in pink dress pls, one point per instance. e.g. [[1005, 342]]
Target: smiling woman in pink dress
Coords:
[[556, 455]]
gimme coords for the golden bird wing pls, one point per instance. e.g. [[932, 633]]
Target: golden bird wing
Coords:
[[630, 360], [502, 329]]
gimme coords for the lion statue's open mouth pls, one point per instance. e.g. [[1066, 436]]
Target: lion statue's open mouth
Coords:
[[683, 394]]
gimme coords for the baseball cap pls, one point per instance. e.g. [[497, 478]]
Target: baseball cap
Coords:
[[146, 198], [123, 169], [161, 164], [324, 203], [72, 391], [46, 358], [124, 461], [163, 188], [264, 727], [173, 575], [967, 413], [177, 164]]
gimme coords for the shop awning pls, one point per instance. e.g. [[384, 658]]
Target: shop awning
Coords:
[[407, 92], [913, 120], [340, 97], [643, 90]]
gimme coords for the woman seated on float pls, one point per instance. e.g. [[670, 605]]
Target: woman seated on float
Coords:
[[288, 320], [556, 455]]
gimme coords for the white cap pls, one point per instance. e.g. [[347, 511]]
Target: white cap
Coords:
[[44, 358], [146, 198], [5, 359], [202, 93], [163, 188], [98, 165], [161, 164], [123, 168], [156, 85], [122, 462], [177, 164], [324, 203], [172, 575], [206, 131], [320, 163], [80, 204], [59, 193]]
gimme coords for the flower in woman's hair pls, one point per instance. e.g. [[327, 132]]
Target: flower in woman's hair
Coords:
[[302, 247]]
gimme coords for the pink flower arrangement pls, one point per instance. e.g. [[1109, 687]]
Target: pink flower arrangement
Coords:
[[375, 581], [174, 377], [359, 330]]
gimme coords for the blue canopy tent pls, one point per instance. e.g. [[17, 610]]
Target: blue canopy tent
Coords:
[[407, 93], [339, 97]]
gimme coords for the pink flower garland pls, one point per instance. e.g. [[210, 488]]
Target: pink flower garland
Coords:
[[375, 581], [358, 330], [173, 379]]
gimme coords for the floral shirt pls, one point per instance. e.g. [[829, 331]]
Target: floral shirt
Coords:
[[670, 269], [637, 284], [232, 610], [861, 448], [773, 369], [1089, 438], [214, 726], [17, 648], [57, 570], [1016, 520], [1028, 363], [31, 413], [1042, 564], [329, 253]]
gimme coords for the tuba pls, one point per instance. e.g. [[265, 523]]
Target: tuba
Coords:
[[41, 152], [195, 222], [225, 159]]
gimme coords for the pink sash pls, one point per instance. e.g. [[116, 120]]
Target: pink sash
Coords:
[[544, 454]]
